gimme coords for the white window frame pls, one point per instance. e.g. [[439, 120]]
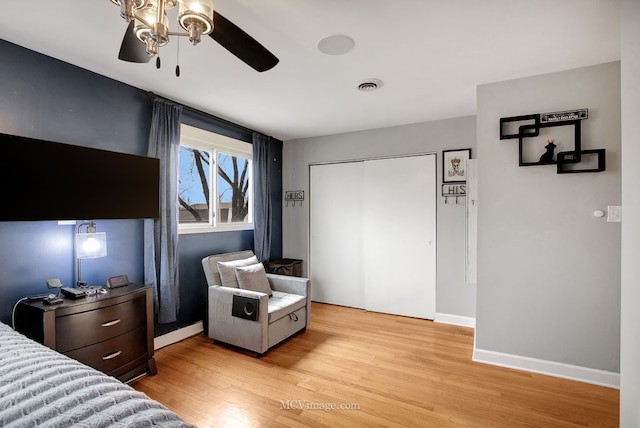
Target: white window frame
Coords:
[[215, 143]]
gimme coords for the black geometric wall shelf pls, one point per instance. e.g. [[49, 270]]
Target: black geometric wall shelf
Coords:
[[530, 120], [594, 159], [526, 133], [525, 128]]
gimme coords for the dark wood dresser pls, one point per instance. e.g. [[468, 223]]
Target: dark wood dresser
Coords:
[[111, 332]]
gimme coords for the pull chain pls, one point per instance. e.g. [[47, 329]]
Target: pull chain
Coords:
[[178, 58]]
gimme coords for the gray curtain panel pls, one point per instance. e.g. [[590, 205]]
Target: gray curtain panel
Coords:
[[161, 235], [261, 196]]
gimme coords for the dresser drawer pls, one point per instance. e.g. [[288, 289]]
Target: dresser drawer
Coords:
[[109, 355], [90, 327]]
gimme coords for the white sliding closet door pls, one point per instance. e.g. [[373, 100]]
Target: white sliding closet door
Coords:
[[373, 235], [336, 235], [399, 236]]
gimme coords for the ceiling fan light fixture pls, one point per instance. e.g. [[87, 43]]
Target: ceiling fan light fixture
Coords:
[[148, 30], [148, 24], [196, 17]]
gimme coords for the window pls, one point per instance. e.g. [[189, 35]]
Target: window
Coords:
[[215, 182]]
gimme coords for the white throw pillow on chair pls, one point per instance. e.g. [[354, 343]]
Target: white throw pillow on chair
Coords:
[[253, 278], [227, 270]]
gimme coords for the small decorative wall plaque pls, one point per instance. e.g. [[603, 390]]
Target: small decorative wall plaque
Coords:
[[294, 196], [454, 165], [563, 116]]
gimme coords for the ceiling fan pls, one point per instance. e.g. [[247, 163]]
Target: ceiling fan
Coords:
[[148, 30]]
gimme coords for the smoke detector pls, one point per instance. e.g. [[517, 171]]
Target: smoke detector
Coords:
[[370, 85]]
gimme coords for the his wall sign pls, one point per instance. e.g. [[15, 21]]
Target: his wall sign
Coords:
[[454, 190]]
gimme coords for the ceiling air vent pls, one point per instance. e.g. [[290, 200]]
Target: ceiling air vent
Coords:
[[370, 85]]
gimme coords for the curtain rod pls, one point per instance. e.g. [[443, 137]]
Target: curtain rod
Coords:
[[152, 96]]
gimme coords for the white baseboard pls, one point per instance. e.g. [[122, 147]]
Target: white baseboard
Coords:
[[178, 335], [455, 320], [551, 368]]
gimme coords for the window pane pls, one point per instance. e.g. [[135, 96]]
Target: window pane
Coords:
[[194, 185], [211, 199], [233, 189]]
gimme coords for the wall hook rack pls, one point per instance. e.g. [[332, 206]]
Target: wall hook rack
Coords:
[[294, 196], [454, 190]]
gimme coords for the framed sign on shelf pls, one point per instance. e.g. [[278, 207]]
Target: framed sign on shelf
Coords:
[[454, 165]]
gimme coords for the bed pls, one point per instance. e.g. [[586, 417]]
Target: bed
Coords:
[[41, 387]]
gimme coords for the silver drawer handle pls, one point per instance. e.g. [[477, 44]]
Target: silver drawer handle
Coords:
[[110, 323], [110, 356]]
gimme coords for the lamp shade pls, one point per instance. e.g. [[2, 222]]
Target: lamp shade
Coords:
[[91, 245]]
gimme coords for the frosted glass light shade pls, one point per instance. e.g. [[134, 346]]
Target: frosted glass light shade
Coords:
[[91, 245]]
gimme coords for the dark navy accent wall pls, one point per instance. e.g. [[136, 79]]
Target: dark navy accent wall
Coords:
[[41, 97], [44, 98]]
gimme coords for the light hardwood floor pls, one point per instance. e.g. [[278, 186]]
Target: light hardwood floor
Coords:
[[356, 368]]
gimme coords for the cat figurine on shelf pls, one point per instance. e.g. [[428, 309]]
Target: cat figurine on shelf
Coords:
[[548, 155]]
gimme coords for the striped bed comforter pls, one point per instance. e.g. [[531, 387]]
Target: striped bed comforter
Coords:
[[41, 387]]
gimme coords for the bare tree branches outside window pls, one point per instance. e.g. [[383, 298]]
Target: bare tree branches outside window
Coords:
[[237, 182], [232, 199]]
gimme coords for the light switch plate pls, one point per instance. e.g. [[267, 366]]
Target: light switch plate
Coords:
[[614, 214]]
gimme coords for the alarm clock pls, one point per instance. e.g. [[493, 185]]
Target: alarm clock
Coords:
[[117, 281]]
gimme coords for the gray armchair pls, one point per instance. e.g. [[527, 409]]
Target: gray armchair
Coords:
[[279, 316]]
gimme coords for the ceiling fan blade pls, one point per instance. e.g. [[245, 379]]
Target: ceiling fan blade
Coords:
[[242, 45], [132, 49]]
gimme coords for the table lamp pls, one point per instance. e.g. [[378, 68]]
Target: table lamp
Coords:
[[89, 245]]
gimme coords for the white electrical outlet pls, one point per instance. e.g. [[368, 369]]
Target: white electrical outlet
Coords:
[[614, 214]]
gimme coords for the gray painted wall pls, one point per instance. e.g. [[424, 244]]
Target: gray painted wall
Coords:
[[630, 318], [454, 296], [548, 270]]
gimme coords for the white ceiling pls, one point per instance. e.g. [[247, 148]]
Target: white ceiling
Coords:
[[430, 54]]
